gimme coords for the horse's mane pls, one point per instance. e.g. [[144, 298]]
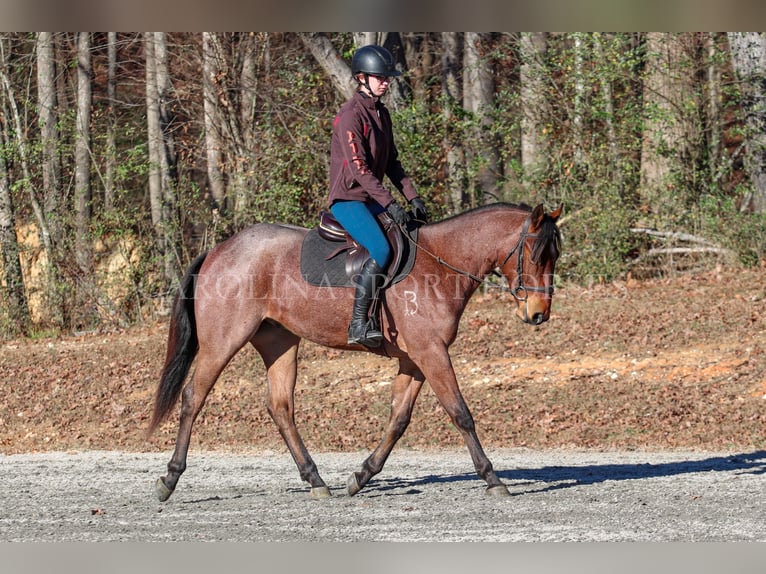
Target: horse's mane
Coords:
[[548, 242], [490, 207]]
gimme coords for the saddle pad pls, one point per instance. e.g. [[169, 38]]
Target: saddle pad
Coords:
[[317, 270]]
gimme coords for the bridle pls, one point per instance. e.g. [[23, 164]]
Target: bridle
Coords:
[[520, 287]]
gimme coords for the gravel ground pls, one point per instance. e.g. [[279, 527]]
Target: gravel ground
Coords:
[[434, 496]]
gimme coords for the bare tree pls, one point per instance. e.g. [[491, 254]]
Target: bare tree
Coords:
[[154, 140], [330, 61], [168, 156], [15, 295], [668, 138], [479, 99], [365, 38], [213, 145], [579, 104], [748, 51], [251, 46], [49, 134], [452, 89], [532, 46], [82, 191], [22, 146], [161, 158], [111, 128], [230, 91]]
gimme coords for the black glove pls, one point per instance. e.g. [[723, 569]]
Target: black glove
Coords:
[[421, 213], [398, 214]]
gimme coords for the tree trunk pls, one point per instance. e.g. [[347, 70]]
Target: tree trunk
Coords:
[[111, 126], [82, 191], [49, 214], [366, 38], [331, 62], [155, 144], [246, 117], [748, 50], [22, 145], [154, 139], [168, 161], [167, 123], [578, 112], [532, 47], [14, 296], [248, 81], [49, 134], [668, 138], [453, 96], [400, 92], [479, 99], [213, 146]]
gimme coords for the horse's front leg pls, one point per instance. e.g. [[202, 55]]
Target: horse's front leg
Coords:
[[404, 391], [279, 350], [437, 366]]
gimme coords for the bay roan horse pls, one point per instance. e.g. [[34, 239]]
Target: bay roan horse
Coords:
[[249, 289]]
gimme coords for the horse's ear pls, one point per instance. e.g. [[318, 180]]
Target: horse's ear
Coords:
[[556, 214], [537, 216]]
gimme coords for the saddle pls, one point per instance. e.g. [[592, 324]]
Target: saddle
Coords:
[[330, 257]]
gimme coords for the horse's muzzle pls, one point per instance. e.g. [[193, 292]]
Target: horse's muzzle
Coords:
[[533, 311]]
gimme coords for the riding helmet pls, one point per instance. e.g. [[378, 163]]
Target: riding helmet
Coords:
[[375, 60]]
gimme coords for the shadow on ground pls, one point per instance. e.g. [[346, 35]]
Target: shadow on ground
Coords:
[[558, 477]]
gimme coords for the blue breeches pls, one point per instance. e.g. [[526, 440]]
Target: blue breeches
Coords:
[[358, 218]]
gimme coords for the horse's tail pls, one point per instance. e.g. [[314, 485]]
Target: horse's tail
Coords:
[[182, 346]]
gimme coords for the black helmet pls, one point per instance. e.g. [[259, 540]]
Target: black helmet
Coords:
[[375, 60]]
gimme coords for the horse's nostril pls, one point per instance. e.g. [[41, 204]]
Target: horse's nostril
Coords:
[[538, 318]]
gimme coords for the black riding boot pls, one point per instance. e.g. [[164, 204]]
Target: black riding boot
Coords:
[[364, 329]]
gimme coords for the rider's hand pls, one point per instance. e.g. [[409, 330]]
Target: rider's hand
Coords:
[[421, 213], [398, 214]]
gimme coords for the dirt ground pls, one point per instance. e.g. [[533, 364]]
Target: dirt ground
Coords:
[[660, 364]]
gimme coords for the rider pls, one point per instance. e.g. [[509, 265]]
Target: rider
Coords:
[[361, 154]]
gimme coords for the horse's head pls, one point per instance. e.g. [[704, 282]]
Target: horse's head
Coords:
[[530, 265]]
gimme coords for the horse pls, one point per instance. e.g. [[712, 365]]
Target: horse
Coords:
[[248, 289]]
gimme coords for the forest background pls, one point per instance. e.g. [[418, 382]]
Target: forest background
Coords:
[[124, 155]]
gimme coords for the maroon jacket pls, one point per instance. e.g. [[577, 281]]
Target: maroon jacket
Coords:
[[363, 152]]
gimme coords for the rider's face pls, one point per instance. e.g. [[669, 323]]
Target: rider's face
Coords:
[[378, 84]]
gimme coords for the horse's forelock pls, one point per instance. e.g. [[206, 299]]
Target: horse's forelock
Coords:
[[547, 244]]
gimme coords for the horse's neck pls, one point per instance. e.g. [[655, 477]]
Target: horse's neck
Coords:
[[469, 248]]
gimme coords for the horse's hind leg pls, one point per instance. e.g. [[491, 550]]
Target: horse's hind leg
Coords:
[[279, 350], [193, 398], [404, 392]]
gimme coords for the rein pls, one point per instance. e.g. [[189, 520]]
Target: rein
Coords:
[[520, 287]]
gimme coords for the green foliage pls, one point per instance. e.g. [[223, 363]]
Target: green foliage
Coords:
[[419, 135], [592, 117], [743, 233], [597, 238]]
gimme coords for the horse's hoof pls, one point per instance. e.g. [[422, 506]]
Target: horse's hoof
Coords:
[[498, 491], [319, 492], [353, 485], [163, 492]]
